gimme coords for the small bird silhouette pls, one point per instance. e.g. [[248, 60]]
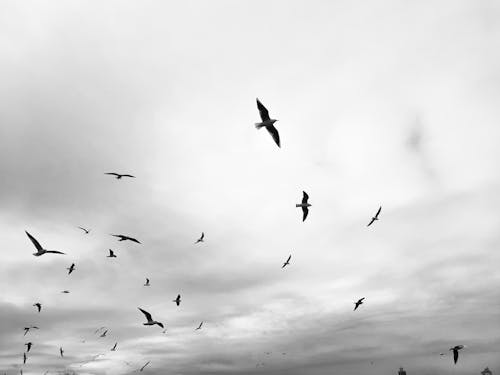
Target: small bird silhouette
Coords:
[[359, 302], [287, 262], [71, 268], [150, 321], [27, 329], [201, 238], [199, 327], [118, 175], [39, 248], [104, 333], [38, 306], [87, 231], [113, 349], [24, 358], [29, 345], [147, 282], [122, 237], [455, 350], [61, 351], [375, 218], [65, 291], [267, 123], [177, 300], [305, 205], [142, 368], [111, 254]]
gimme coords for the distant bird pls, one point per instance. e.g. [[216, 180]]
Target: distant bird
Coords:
[[287, 262], [39, 248], [113, 349], [164, 331], [26, 329], [61, 351], [201, 238], [305, 205], [375, 218], [147, 282], [65, 291], [359, 302], [199, 327], [38, 306], [150, 321], [87, 231], [24, 358], [111, 254], [177, 300], [29, 345], [71, 268], [142, 368], [267, 122], [122, 237], [455, 350], [118, 175], [104, 333]]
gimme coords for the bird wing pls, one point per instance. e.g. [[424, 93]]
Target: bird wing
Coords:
[[264, 114], [142, 368], [55, 252], [132, 239], [361, 299], [127, 175], [202, 235], [34, 241], [274, 133], [85, 230], [305, 212], [112, 173], [455, 355], [290, 257], [146, 314], [371, 222], [305, 197], [378, 212]]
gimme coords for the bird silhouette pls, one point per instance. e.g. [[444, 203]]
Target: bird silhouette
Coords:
[[267, 123], [177, 300], [38, 306], [143, 367], [29, 345], [39, 248], [375, 218], [122, 237], [150, 321], [358, 303], [118, 175], [305, 205], [104, 333], [455, 350], [87, 231], [71, 268], [111, 254], [147, 282], [61, 351], [199, 327], [24, 358], [113, 349], [65, 292], [201, 238], [287, 262], [27, 329]]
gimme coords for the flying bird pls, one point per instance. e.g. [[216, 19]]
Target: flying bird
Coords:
[[287, 262], [26, 329], [65, 291], [199, 327], [38, 306], [118, 175], [111, 254], [375, 218], [455, 350], [305, 205], [87, 231], [177, 300], [267, 122], [359, 302], [122, 237], [113, 349], [39, 248], [150, 321], [201, 238], [29, 345], [61, 351], [147, 282], [24, 358], [142, 368], [71, 268], [104, 333]]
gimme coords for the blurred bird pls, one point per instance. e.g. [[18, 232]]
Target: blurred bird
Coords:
[[359, 302], [65, 291], [71, 268], [287, 262], [39, 248], [87, 231], [455, 350], [113, 349], [150, 321], [104, 333], [111, 254], [61, 351], [305, 205], [29, 345], [24, 358], [26, 329], [201, 238], [38, 306], [267, 122], [375, 218], [147, 282], [199, 327], [122, 237], [142, 368], [118, 175], [177, 300]]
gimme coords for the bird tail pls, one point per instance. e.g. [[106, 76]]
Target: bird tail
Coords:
[[298, 205], [259, 125]]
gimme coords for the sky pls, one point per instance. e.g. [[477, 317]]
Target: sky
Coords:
[[387, 103]]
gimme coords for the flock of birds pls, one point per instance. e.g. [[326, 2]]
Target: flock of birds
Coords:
[[266, 122]]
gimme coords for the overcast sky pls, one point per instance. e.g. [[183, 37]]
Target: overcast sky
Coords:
[[391, 103]]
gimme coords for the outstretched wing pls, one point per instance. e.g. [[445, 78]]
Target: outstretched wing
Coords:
[[288, 260], [34, 241], [146, 314], [112, 173], [274, 133], [127, 175], [305, 197], [455, 355], [305, 212], [142, 368], [378, 212], [264, 114], [371, 222], [55, 252]]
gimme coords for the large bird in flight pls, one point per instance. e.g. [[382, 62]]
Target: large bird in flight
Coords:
[[150, 321], [357, 303], [71, 268], [305, 205], [375, 218], [38, 305], [201, 238], [267, 123], [39, 248], [455, 350], [118, 175], [287, 262], [177, 300], [122, 237]]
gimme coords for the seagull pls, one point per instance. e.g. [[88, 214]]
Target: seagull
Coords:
[[201, 238], [111, 254], [113, 349], [287, 262], [118, 175], [142, 368], [65, 291], [71, 268], [24, 358], [26, 329], [267, 122], [39, 248], [29, 345], [455, 350], [38, 306], [375, 218], [359, 302], [199, 327], [150, 321], [305, 206], [121, 237], [87, 231], [147, 282], [61, 351], [177, 300], [104, 333]]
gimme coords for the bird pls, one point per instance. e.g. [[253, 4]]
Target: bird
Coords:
[[177, 300], [375, 218], [29, 345], [150, 321], [111, 254], [26, 329], [287, 262], [305, 205], [122, 237], [61, 351], [65, 291], [118, 175], [104, 333], [38, 306], [71, 268], [39, 248], [359, 302], [24, 358], [201, 238], [267, 122], [142, 368], [113, 349], [455, 350], [147, 282], [87, 231], [199, 327]]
